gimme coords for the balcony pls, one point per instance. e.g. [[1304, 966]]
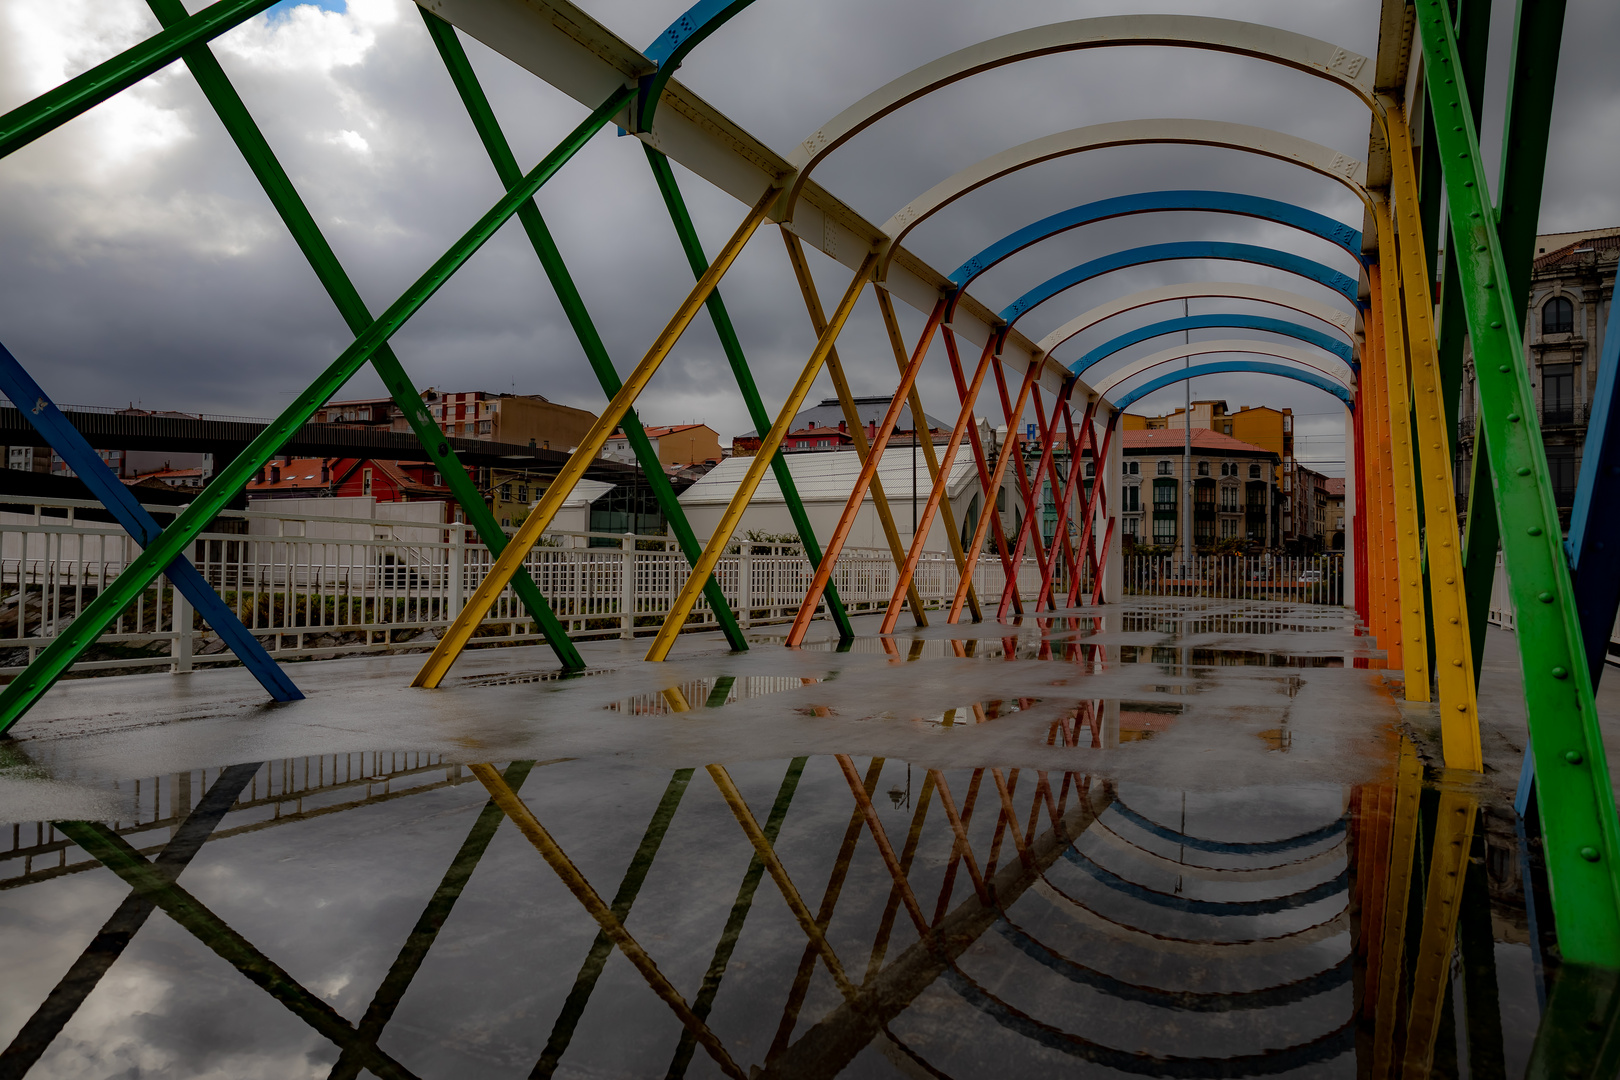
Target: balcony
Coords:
[[1562, 415]]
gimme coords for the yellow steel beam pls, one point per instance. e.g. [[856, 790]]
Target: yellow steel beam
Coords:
[[1453, 833], [483, 598], [515, 808], [1392, 934], [1453, 653], [852, 416], [1368, 446], [761, 461], [1380, 471], [897, 342], [773, 865], [1408, 542]]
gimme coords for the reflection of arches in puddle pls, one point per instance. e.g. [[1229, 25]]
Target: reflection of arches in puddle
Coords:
[[1099, 920], [1198, 843], [1224, 908], [1105, 836], [1264, 997], [709, 693], [1087, 715], [1265, 1063]]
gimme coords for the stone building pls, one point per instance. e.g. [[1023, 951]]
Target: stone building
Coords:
[[1233, 486], [1571, 288]]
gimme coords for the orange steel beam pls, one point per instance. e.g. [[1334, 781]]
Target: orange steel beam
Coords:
[[749, 484], [1046, 472], [897, 342], [824, 914], [875, 827], [961, 851], [1076, 471], [529, 825], [1005, 787], [852, 416], [925, 520], [880, 944], [979, 460], [1374, 481], [1008, 453], [1095, 504], [773, 865], [1025, 492], [840, 534], [1393, 639]]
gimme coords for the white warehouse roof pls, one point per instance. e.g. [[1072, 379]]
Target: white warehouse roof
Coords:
[[829, 476]]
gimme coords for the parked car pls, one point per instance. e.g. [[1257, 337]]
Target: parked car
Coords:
[[1310, 577]]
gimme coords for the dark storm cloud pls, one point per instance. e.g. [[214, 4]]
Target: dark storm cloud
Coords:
[[143, 263]]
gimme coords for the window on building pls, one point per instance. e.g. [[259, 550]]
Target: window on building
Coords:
[[1254, 472], [1203, 468], [1132, 496], [1229, 498], [1557, 393], [483, 427], [1165, 494], [1164, 468], [1091, 468], [1133, 468], [1131, 526], [523, 493], [1557, 316], [365, 482], [1164, 530], [1204, 530], [1228, 528], [1563, 466], [1001, 500]]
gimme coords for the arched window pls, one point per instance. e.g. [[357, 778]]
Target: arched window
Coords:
[[1557, 316], [1164, 468], [1203, 468], [1254, 472]]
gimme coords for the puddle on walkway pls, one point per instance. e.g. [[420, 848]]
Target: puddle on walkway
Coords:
[[709, 693], [404, 915]]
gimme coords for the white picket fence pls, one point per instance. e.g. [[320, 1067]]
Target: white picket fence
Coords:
[[312, 586], [1308, 579]]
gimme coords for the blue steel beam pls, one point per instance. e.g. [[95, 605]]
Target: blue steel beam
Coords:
[[1149, 202], [672, 46], [1594, 522], [1309, 269], [65, 439], [1285, 327], [1263, 367]]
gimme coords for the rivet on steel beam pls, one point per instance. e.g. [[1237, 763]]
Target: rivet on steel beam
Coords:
[[1590, 854], [1534, 530], [1513, 418], [1545, 597], [1573, 757], [1523, 471], [1560, 673], [1504, 369], [1462, 708]]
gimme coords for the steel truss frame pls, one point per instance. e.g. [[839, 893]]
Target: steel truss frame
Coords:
[[1424, 588]]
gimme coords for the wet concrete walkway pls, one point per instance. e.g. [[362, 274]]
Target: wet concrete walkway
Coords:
[[1169, 838]]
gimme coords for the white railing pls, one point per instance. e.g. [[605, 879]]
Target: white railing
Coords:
[[1309, 579], [1502, 613], [311, 586]]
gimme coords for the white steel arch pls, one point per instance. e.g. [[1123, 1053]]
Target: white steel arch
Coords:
[[1331, 366]]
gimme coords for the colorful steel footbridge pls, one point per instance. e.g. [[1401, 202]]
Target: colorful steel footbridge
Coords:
[[1439, 263]]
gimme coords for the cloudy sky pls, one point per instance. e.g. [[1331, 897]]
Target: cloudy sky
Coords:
[[144, 264]]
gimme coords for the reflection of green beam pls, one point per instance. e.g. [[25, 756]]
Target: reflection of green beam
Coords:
[[426, 930], [506, 168], [115, 854], [296, 216], [699, 262], [21, 693], [721, 691], [734, 922], [562, 1032], [119, 930]]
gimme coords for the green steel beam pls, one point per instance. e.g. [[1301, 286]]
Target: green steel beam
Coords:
[[506, 168], [1538, 31], [284, 197], [1582, 838], [58, 656], [665, 175], [115, 853], [579, 995], [52, 109], [710, 987]]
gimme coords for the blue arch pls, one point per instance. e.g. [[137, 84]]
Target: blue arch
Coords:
[[1343, 284], [1322, 341], [1264, 367], [670, 48], [1147, 202]]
